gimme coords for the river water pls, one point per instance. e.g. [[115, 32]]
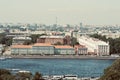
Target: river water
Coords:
[[80, 67]]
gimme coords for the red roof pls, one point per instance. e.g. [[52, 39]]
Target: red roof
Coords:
[[42, 44], [80, 46], [62, 46], [21, 46]]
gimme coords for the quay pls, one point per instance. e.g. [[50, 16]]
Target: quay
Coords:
[[62, 57]]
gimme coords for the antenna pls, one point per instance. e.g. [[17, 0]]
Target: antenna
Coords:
[[56, 20]]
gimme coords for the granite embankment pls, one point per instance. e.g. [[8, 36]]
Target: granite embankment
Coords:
[[62, 57]]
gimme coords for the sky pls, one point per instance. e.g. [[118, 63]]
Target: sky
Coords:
[[94, 12]]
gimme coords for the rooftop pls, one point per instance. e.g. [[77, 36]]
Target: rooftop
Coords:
[[62, 46], [42, 44], [80, 46], [28, 38], [51, 37], [21, 46], [92, 41]]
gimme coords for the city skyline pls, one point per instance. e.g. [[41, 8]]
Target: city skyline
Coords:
[[99, 12]]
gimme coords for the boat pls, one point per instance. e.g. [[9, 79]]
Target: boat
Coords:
[[23, 71], [2, 58], [70, 77], [5, 57], [14, 69]]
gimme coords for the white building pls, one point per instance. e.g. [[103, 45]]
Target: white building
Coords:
[[111, 35], [95, 46], [20, 40]]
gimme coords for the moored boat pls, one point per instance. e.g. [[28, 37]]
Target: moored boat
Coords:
[[2, 58]]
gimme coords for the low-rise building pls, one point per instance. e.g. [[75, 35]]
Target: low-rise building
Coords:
[[64, 50], [51, 39], [81, 50], [20, 40], [21, 49], [42, 48], [95, 46]]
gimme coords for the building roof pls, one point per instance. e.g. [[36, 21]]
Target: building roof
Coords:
[[51, 36], [22, 38], [80, 46], [21, 46], [42, 44], [91, 41], [63, 47]]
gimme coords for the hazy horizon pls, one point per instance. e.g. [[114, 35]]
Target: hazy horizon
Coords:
[[98, 12]]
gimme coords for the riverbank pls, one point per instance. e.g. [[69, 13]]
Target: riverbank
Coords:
[[62, 57]]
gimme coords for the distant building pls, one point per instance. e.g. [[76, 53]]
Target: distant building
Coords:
[[75, 34], [67, 40], [15, 34], [81, 25], [64, 50], [42, 48], [20, 40], [1, 48], [51, 39], [95, 46], [36, 49], [81, 50], [21, 49], [68, 33], [111, 35], [57, 33]]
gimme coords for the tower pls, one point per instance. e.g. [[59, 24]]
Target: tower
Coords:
[[56, 22], [81, 25]]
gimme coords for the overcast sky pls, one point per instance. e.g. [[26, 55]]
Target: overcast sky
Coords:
[[67, 11]]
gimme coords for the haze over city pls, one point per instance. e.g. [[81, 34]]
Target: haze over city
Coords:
[[98, 12]]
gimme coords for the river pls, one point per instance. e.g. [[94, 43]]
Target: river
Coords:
[[80, 67]]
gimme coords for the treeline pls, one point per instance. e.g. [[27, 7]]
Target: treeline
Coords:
[[34, 38], [8, 40], [114, 43], [7, 75], [112, 72], [5, 40]]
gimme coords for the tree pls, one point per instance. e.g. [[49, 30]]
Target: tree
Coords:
[[114, 43], [58, 43], [8, 41], [5, 40], [103, 38], [6, 75], [27, 43], [112, 72], [73, 41], [23, 76], [77, 43], [4, 71], [35, 37], [38, 76]]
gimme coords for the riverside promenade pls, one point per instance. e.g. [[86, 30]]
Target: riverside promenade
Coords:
[[62, 57]]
